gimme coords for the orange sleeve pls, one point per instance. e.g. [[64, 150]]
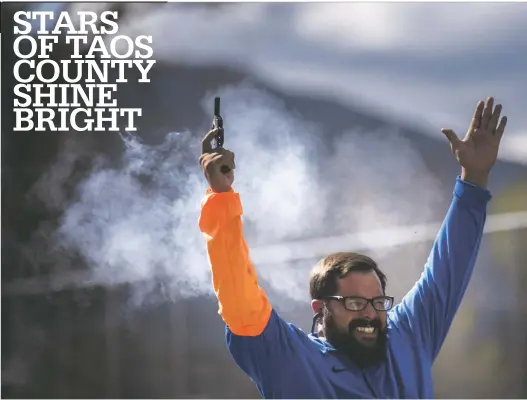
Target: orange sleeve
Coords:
[[243, 304]]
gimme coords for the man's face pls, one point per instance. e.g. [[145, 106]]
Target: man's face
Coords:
[[360, 334]]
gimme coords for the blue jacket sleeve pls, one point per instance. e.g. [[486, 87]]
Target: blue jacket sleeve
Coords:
[[428, 310], [264, 356]]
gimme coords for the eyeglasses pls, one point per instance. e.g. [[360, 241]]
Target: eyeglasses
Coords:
[[356, 303]]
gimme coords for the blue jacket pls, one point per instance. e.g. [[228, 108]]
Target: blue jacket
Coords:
[[285, 362]]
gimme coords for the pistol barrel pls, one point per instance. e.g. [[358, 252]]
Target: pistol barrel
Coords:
[[217, 122], [216, 106]]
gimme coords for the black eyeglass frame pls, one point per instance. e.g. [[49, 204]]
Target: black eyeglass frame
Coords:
[[342, 299]]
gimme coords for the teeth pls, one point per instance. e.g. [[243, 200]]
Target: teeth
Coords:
[[364, 329]]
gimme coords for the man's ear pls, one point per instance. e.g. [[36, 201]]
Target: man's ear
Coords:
[[317, 306]]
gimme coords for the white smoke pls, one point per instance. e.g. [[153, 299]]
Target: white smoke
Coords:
[[136, 221]]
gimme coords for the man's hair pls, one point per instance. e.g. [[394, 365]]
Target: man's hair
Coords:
[[324, 279]]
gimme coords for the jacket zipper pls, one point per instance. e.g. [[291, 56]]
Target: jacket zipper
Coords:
[[368, 384]]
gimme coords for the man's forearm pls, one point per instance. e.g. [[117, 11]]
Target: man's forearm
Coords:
[[243, 304], [477, 178], [430, 307]]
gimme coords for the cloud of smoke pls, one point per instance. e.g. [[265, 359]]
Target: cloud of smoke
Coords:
[[136, 221], [313, 48]]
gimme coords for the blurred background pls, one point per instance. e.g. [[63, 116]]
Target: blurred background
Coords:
[[334, 112]]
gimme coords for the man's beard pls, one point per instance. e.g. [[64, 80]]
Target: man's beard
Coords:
[[364, 356]]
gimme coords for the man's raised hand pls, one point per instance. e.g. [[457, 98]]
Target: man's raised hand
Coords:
[[478, 150], [217, 164]]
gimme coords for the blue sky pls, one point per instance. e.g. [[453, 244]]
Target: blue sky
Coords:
[[428, 63]]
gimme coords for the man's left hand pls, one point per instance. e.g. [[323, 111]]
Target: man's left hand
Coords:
[[478, 150]]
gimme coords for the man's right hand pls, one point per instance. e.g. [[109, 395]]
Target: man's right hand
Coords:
[[217, 164]]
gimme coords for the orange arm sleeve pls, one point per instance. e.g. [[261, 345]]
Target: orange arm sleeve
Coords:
[[243, 304]]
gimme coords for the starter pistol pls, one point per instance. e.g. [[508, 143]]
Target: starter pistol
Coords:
[[217, 122]]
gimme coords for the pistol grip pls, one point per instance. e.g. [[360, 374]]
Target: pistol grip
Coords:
[[219, 138]]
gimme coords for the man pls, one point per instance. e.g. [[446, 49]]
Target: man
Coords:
[[364, 346]]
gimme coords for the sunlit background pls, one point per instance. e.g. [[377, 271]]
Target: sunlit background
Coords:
[[334, 112]]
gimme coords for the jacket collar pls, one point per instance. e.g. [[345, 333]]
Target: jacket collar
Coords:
[[322, 344]]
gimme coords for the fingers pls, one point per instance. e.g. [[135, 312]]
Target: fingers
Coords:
[[476, 119], [227, 162], [230, 159], [451, 136], [205, 160], [493, 123], [230, 176], [206, 143], [220, 160], [216, 159], [487, 113], [501, 128]]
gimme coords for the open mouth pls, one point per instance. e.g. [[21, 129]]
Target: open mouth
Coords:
[[365, 329]]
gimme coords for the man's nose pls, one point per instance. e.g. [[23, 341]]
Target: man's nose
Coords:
[[369, 312]]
